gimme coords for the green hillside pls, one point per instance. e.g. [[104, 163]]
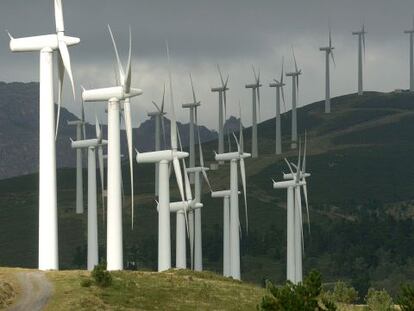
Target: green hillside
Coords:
[[361, 196]]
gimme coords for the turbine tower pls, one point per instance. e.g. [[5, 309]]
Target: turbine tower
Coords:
[[46, 45], [164, 158], [255, 95], [80, 132], [158, 115], [221, 90], [411, 33], [328, 53], [91, 145], [114, 96], [295, 94], [361, 45], [234, 158], [279, 91]]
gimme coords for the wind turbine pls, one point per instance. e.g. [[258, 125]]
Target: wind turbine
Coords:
[[114, 95], [234, 158], [195, 216], [192, 106], [361, 44], [91, 145], [46, 45], [328, 53], [164, 158], [221, 90], [158, 115], [80, 132], [411, 33], [279, 91], [294, 182], [255, 95], [295, 94]]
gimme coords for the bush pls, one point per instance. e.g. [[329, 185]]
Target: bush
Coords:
[[86, 283], [291, 297], [405, 299], [342, 293], [379, 300], [102, 277]]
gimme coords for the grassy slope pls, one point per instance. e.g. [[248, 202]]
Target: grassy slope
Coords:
[[344, 143], [172, 290]]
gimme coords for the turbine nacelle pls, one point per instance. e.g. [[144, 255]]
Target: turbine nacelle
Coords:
[[287, 184], [276, 84], [293, 176], [229, 156], [327, 49], [222, 193], [38, 43], [76, 122], [156, 113], [158, 156], [253, 86], [87, 143], [219, 89], [191, 105], [294, 74], [105, 94], [197, 169]]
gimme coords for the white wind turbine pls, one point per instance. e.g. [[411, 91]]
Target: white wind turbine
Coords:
[[164, 158], [46, 45], [91, 145], [158, 116], [361, 44], [255, 95], [192, 107], [411, 33], [295, 94], [234, 158], [279, 91], [293, 182], [328, 54], [195, 216], [222, 91], [114, 96], [80, 132]]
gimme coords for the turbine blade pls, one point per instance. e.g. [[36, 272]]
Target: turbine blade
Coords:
[[305, 194], [163, 100], [294, 58], [225, 105], [127, 82], [156, 106], [64, 54], [61, 73], [333, 58], [163, 131], [98, 129], [221, 76], [128, 130], [60, 26], [192, 89], [179, 177], [102, 177], [304, 155], [290, 167], [120, 68], [258, 101], [173, 129], [83, 119], [243, 176]]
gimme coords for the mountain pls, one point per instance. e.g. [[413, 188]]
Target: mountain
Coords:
[[361, 196], [19, 131]]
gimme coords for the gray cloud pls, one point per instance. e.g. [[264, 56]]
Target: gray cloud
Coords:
[[234, 33]]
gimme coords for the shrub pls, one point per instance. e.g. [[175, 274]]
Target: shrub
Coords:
[[379, 300], [405, 299], [86, 282], [102, 277], [291, 297], [342, 293]]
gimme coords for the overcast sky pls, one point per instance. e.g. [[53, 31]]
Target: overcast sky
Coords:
[[201, 33]]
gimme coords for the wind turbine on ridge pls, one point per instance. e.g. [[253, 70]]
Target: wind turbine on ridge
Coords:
[[328, 54], [361, 45], [46, 45], [158, 115], [91, 145], [295, 94], [255, 105], [80, 132], [294, 182], [164, 158], [236, 158], [113, 96], [222, 91], [411, 33], [279, 84]]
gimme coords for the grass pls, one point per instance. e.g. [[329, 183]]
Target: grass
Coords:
[[171, 290], [9, 288]]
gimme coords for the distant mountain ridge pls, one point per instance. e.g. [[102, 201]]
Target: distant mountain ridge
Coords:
[[19, 131]]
